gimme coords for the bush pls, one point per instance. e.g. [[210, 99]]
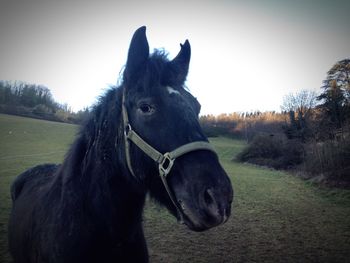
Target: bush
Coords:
[[330, 158], [15, 110], [273, 151], [42, 110]]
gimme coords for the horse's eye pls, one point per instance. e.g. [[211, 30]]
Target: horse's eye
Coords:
[[146, 109]]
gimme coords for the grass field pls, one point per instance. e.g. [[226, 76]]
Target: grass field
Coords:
[[276, 217], [25, 142]]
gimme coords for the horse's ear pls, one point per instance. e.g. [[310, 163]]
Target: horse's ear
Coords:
[[138, 52], [180, 64]]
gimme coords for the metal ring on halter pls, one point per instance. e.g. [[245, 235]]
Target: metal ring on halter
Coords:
[[127, 129]]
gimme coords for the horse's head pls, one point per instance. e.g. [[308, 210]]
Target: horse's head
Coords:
[[163, 115]]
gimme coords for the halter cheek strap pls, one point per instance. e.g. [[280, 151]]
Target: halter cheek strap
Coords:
[[165, 161]]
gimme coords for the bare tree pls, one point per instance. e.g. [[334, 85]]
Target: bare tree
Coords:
[[299, 106], [301, 102]]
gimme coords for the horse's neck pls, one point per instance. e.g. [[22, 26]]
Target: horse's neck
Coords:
[[101, 184]]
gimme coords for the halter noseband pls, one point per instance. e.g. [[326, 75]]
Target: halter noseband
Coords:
[[165, 161]]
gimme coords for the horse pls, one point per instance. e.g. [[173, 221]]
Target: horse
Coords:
[[142, 137]]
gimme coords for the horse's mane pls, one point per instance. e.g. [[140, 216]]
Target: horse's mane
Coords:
[[96, 141]]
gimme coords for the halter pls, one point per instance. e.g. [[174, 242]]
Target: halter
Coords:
[[165, 161]]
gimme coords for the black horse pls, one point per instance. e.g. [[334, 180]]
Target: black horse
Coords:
[[141, 137]]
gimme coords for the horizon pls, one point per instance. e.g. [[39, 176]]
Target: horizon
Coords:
[[245, 56], [89, 107]]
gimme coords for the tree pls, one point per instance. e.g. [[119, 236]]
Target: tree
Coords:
[[335, 98], [340, 74], [299, 106]]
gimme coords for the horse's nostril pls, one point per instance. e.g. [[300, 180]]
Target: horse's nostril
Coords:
[[209, 197]]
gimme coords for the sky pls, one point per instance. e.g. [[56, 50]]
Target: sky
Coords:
[[246, 55]]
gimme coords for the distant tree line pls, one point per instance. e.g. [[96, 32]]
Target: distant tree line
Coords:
[[31, 100], [310, 135]]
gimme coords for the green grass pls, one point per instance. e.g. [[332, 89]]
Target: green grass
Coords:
[[276, 217], [25, 142]]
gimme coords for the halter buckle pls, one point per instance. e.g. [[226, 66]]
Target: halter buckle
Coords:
[[166, 165]]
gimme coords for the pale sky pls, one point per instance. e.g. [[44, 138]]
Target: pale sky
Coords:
[[246, 55]]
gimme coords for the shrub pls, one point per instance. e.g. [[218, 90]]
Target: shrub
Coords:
[[330, 158], [42, 110], [273, 151]]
